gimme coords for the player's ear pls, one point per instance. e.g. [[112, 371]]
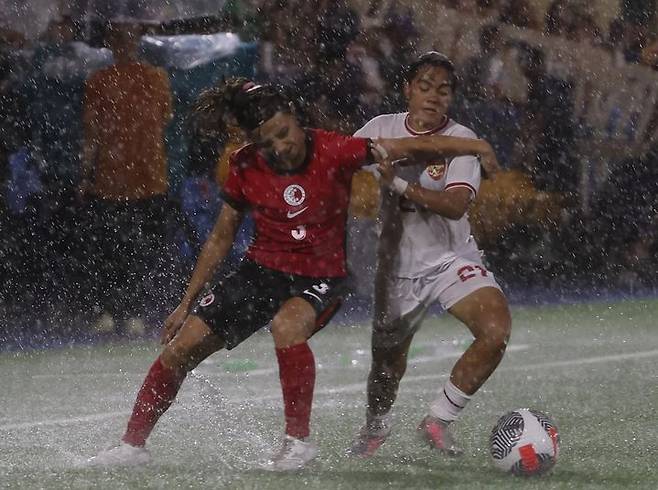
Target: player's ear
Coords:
[[406, 89]]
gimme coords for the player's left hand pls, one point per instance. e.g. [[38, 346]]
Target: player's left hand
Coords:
[[173, 323], [386, 170]]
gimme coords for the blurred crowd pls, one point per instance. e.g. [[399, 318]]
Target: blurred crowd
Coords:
[[92, 227]]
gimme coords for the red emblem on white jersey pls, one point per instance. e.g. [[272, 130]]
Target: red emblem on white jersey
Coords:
[[436, 171]]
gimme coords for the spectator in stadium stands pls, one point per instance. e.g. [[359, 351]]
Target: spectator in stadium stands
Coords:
[[282, 59], [482, 9], [20, 186], [547, 129], [649, 55], [124, 177], [635, 38], [484, 105], [554, 19], [295, 182], [615, 39], [56, 108], [519, 13], [337, 25], [482, 73]]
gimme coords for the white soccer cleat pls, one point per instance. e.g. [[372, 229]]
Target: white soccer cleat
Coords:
[[121, 455], [293, 455]]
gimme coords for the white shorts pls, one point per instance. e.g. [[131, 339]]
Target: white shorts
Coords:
[[401, 303]]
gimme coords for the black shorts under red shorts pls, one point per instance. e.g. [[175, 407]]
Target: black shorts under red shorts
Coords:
[[247, 300]]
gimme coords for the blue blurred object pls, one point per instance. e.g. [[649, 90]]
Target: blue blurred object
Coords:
[[200, 203], [186, 52], [194, 63], [24, 181]]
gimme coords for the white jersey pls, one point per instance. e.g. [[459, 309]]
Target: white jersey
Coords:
[[415, 242]]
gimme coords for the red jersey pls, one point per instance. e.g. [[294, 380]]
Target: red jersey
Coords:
[[299, 216]]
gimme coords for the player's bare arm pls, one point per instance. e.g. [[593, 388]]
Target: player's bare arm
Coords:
[[421, 148], [452, 203], [214, 251]]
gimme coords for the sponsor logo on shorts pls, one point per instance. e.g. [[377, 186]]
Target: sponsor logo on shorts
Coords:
[[207, 300]]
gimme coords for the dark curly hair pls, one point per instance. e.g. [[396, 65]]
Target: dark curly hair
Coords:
[[239, 98]]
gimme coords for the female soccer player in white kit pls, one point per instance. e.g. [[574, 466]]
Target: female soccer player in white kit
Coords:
[[426, 255]]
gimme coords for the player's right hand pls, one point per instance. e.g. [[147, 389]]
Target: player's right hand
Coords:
[[488, 159], [173, 323]]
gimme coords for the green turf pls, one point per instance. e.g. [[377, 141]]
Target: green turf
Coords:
[[593, 368]]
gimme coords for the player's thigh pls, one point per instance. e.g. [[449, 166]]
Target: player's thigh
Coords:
[[192, 344], [399, 313], [485, 312], [243, 302], [293, 323], [311, 305]]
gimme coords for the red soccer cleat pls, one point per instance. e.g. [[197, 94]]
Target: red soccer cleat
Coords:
[[435, 431]]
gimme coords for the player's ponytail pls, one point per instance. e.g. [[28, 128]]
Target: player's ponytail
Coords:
[[215, 107], [249, 105]]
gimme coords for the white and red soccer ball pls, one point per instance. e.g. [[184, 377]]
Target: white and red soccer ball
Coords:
[[525, 442]]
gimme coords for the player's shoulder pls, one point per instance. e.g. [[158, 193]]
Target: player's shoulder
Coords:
[[456, 129], [382, 125], [328, 140], [244, 156]]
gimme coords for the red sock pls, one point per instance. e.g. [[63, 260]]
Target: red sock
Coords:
[[297, 375], [154, 398]]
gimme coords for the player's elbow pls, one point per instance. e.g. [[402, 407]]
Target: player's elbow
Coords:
[[458, 204], [455, 214]]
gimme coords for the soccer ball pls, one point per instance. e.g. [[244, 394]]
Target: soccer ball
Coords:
[[524, 442]]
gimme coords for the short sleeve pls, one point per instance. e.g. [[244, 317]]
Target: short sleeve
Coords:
[[352, 153], [232, 189], [464, 171], [368, 130]]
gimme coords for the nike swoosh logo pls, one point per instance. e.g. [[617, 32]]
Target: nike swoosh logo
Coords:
[[292, 214]]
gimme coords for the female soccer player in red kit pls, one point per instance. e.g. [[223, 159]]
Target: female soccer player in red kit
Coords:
[[296, 183]]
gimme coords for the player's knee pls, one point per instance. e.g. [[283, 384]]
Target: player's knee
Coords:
[[497, 333], [287, 333], [388, 365], [178, 359]]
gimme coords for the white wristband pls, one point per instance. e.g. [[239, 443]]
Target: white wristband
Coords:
[[381, 150], [399, 186]]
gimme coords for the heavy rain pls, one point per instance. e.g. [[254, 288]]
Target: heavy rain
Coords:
[[261, 244]]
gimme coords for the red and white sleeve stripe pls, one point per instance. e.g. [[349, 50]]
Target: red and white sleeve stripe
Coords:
[[462, 184]]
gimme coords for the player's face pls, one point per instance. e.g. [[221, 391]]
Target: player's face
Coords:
[[429, 96], [281, 141]]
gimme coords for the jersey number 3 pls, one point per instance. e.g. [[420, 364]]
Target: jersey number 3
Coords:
[[299, 233]]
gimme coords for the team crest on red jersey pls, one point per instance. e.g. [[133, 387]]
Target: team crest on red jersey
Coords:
[[436, 171], [294, 195], [207, 300]]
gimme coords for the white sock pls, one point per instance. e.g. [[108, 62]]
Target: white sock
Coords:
[[384, 416], [450, 402], [379, 422]]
